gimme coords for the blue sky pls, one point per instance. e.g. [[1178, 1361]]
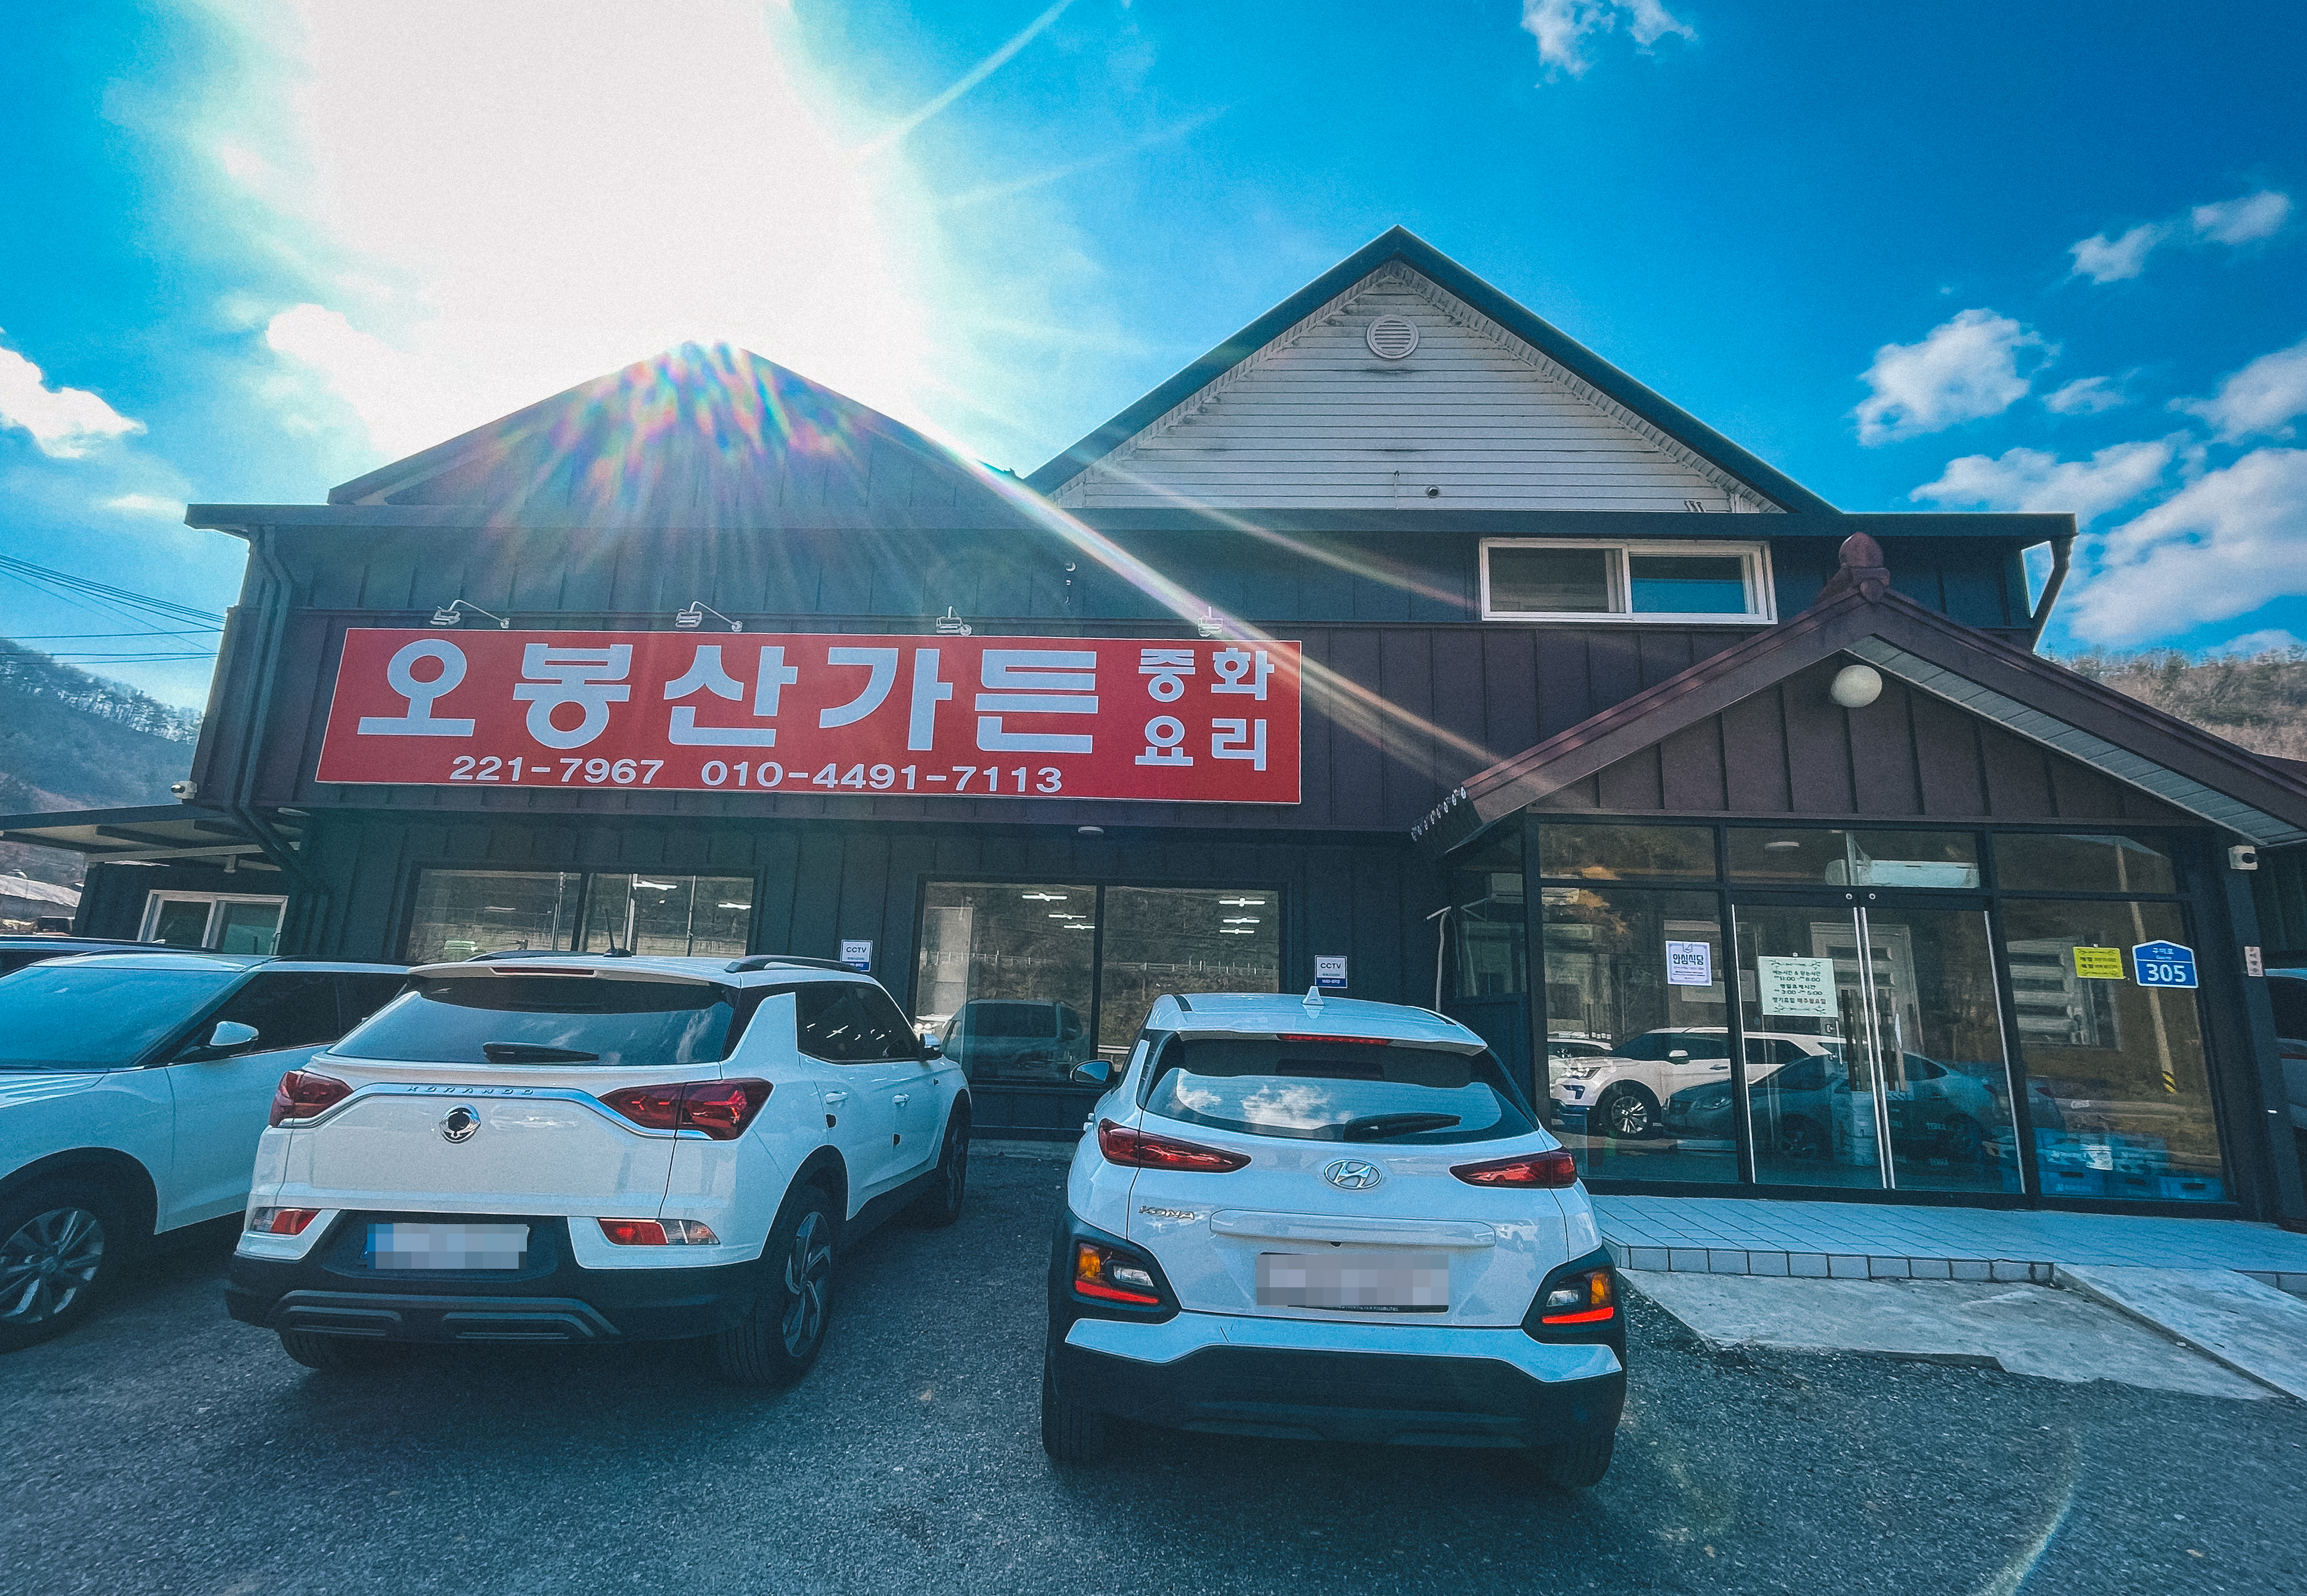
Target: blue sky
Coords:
[[1952, 256]]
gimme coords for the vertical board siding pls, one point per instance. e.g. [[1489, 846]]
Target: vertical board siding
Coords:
[[1790, 750]]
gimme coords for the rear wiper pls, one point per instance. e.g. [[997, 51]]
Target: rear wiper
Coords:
[[1372, 1126], [532, 1052]]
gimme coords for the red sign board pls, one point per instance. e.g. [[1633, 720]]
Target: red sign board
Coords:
[[1178, 722]]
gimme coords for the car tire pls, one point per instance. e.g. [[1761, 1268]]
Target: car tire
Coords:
[[1575, 1465], [778, 1342], [1627, 1113], [69, 1232], [1071, 1431], [1963, 1140], [336, 1355], [941, 1205], [1800, 1138]]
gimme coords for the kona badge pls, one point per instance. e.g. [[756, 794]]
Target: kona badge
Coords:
[[460, 1123], [1353, 1175]]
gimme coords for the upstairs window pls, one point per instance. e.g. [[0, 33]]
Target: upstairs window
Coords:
[[1567, 579]]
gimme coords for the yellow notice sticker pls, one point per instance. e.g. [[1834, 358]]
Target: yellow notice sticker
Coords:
[[2099, 964]]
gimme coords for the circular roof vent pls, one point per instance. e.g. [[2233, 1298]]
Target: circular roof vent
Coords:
[[1392, 337]]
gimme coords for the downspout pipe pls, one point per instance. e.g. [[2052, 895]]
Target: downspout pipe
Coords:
[[2062, 551]]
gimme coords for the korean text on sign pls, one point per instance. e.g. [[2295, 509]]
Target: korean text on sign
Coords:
[[1198, 721]]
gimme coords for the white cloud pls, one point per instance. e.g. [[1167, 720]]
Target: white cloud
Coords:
[[2028, 479], [147, 504], [2267, 640], [2246, 220], [2222, 546], [2104, 260], [65, 422], [2262, 399], [1966, 369], [1562, 26], [2085, 396]]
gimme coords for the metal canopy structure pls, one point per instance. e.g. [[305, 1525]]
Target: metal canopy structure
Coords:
[[157, 833]]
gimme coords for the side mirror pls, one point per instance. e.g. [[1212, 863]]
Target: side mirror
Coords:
[[1092, 1072], [932, 1047], [1680, 1055], [228, 1037]]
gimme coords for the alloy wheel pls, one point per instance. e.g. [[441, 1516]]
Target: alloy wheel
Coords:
[[809, 1283], [1629, 1116], [47, 1264]]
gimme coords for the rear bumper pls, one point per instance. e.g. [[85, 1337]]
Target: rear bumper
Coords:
[[1358, 1383], [550, 1301]]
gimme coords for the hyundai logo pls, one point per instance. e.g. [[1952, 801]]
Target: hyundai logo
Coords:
[[460, 1123], [1353, 1175]]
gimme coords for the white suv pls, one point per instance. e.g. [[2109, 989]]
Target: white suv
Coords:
[[1329, 1219], [1623, 1093], [589, 1148], [132, 1090]]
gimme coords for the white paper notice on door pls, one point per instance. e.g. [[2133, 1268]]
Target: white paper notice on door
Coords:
[[1802, 986], [1689, 964]]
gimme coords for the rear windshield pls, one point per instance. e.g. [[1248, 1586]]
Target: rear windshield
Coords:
[[549, 1020], [1336, 1091], [63, 1016]]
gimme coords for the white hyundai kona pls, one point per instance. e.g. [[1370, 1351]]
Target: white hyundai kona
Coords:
[[581, 1149], [1329, 1219]]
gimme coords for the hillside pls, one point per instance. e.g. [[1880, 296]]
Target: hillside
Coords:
[[70, 740], [2260, 702]]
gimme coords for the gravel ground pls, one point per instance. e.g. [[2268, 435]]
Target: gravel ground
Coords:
[[164, 1448]]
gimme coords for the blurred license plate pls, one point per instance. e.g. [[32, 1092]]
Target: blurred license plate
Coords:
[[447, 1246], [1372, 1282]]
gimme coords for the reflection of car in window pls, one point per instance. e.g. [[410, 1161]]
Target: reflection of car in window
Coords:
[[1621, 1093], [2287, 989], [1939, 1109], [1017, 1039]]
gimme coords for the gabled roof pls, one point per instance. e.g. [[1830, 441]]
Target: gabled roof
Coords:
[[1857, 614], [1398, 246], [696, 437]]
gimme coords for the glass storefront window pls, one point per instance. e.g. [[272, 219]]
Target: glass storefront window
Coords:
[[1875, 1054], [1181, 939], [228, 923], [459, 913], [2116, 1079], [2040, 862], [1024, 980], [1637, 977], [1489, 954], [1007, 975], [679, 914], [1626, 852], [1811, 856]]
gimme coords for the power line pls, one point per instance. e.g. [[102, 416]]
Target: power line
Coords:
[[119, 599]]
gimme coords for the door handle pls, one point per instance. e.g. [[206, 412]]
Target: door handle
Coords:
[[836, 1097], [901, 1099]]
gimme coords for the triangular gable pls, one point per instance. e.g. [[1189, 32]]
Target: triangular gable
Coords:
[[1494, 409], [2019, 695], [694, 436]]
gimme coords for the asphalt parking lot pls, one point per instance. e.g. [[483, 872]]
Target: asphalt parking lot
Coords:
[[164, 1448]]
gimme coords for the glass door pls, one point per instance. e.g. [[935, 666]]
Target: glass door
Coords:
[[1874, 1047]]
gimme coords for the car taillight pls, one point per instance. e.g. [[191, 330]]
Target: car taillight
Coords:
[[1109, 1275], [1555, 1169], [658, 1232], [1140, 1150], [302, 1094], [722, 1109], [1585, 1299], [281, 1222]]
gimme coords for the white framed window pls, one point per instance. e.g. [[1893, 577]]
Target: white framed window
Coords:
[[1594, 579], [222, 922]]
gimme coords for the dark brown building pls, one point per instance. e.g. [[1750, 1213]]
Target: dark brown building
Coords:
[[1399, 643]]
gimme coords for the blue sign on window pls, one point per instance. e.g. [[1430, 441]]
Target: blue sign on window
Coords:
[[2164, 964]]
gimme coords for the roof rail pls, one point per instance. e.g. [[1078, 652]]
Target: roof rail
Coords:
[[753, 961]]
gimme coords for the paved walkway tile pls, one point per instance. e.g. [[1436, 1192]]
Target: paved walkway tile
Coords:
[[1862, 1241]]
